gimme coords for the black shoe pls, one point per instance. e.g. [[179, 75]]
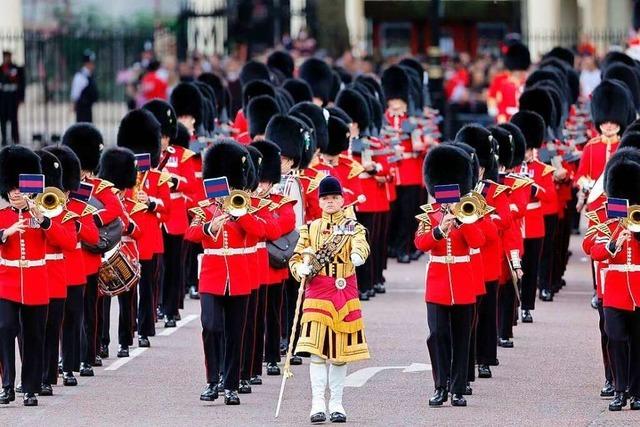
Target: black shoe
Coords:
[[123, 351], [60, 368], [69, 380], [221, 384], [526, 316], [545, 295], [19, 388], [46, 390], [468, 391], [595, 302], [170, 322], [318, 417], [244, 387], [608, 390], [392, 252], [104, 351], [231, 397], [379, 288], [256, 380], [635, 403], [505, 343], [284, 346], [144, 342], [98, 361], [273, 369], [618, 402], [415, 255], [403, 259], [296, 360], [439, 397], [177, 317], [7, 395], [371, 293], [86, 370], [458, 400], [210, 392], [338, 417], [484, 371], [30, 399], [193, 294], [159, 313], [364, 296]]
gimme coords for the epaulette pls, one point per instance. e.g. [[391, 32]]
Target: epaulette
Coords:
[[103, 185], [547, 170], [428, 208], [68, 216], [593, 216], [198, 212], [591, 231], [186, 155], [137, 207], [604, 228], [283, 201], [500, 189], [356, 167], [424, 223], [262, 203], [88, 210], [519, 182], [315, 181], [164, 178]]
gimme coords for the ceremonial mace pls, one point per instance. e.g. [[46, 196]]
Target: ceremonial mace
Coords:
[[307, 257]]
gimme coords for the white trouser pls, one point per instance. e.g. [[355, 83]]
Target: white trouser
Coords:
[[318, 376]]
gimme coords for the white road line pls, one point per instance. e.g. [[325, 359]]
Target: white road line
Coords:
[[124, 360], [179, 324], [361, 376]]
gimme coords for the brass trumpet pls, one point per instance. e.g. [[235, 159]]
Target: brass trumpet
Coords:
[[50, 202], [237, 203], [632, 222], [470, 208]]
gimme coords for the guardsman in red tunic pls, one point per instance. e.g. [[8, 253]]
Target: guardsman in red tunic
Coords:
[[56, 271], [533, 127], [449, 297], [86, 142], [396, 87], [618, 242], [87, 232], [224, 285], [117, 165], [611, 105], [24, 235], [140, 132], [506, 87]]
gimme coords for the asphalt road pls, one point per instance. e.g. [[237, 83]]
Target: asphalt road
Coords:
[[551, 377]]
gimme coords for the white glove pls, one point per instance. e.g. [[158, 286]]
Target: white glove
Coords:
[[356, 259], [303, 270]]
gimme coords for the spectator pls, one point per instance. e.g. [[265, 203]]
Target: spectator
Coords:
[[84, 91], [589, 75], [153, 85]]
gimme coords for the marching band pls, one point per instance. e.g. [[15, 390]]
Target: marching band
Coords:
[[281, 221]]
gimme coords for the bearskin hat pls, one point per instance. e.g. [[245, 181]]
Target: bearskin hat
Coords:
[[336, 86], [414, 64], [630, 139], [447, 164], [539, 100], [505, 145], [182, 138], [355, 105], [255, 172], [299, 90], [227, 158], [531, 125], [611, 102], [51, 169], [281, 61], [339, 113], [560, 105], [140, 132], [70, 166], [259, 112], [481, 140], [396, 84], [548, 74], [345, 76], [563, 54], [118, 166], [373, 84], [622, 175], [339, 137], [284, 99], [317, 116], [318, 74], [16, 160], [616, 57], [633, 127], [209, 113], [85, 140], [415, 89], [519, 143], [256, 88], [517, 57], [629, 77], [165, 115], [475, 164], [291, 135], [186, 100], [308, 150], [216, 84], [254, 70], [271, 170]]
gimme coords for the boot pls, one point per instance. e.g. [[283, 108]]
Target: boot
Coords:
[[318, 377], [337, 375], [619, 401]]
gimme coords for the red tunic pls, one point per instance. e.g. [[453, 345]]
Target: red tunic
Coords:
[[542, 192], [56, 262], [181, 167], [595, 155], [282, 212], [374, 186], [87, 232], [409, 168]]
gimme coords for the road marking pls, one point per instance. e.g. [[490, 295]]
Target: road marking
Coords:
[[179, 324], [124, 360], [361, 376]]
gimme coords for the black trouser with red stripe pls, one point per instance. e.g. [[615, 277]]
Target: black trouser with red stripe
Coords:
[[261, 319], [471, 372], [604, 345], [623, 329], [487, 333], [173, 274], [364, 272], [530, 266], [191, 252], [28, 321], [125, 318], [404, 211], [52, 340], [248, 338], [506, 309], [379, 245], [72, 328], [547, 258], [223, 320], [146, 307], [273, 326], [90, 325]]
